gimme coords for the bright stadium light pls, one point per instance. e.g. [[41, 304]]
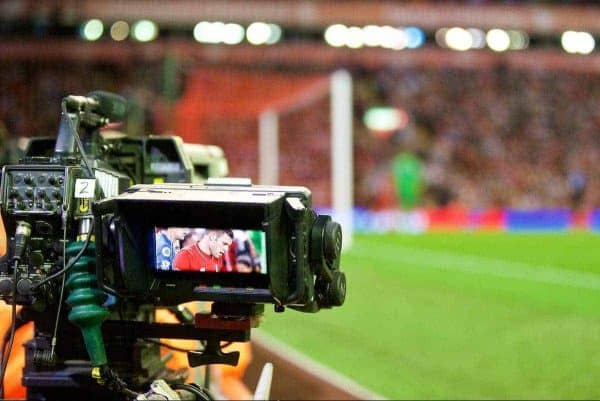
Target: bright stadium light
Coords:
[[518, 40], [205, 33], [355, 38], [440, 37], [577, 42], [586, 43], [458, 39], [275, 34], [144, 31], [258, 33], [92, 30], [373, 35], [498, 40], [416, 37], [394, 38], [335, 35], [119, 31], [478, 38], [232, 34], [568, 40]]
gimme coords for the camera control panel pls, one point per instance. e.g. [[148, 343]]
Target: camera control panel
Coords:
[[39, 190]]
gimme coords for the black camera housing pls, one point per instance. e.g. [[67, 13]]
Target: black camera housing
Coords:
[[302, 248]]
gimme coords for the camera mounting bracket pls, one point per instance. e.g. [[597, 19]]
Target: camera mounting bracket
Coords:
[[213, 353]]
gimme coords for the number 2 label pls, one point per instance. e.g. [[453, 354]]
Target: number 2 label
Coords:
[[85, 188]]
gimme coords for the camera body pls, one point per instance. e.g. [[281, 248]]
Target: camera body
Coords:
[[49, 195], [298, 261], [71, 213]]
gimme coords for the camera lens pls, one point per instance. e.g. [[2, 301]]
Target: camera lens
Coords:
[[332, 241], [336, 293]]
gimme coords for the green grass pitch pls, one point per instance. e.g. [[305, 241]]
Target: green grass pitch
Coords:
[[462, 316]]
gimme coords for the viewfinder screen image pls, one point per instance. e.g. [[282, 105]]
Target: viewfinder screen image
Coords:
[[198, 249]]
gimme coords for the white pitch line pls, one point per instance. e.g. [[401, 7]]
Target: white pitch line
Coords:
[[442, 260], [309, 365]]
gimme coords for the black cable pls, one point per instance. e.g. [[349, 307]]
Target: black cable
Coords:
[[62, 292], [72, 261], [6, 355], [171, 347], [199, 392], [179, 349]]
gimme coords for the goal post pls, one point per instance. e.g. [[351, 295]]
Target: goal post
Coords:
[[341, 151]]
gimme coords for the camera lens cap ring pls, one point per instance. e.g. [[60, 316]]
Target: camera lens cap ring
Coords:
[[336, 292], [332, 241]]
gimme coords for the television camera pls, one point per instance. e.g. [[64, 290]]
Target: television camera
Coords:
[[84, 215]]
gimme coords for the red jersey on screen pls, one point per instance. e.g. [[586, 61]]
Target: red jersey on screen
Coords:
[[193, 259]]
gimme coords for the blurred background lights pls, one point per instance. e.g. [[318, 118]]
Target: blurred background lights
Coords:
[[568, 41], [458, 39], [394, 38], [586, 43], [258, 33], [275, 34], [519, 40], [372, 35], [233, 34], [440, 37], [119, 30], [382, 120], [206, 32], [577, 42], [415, 37], [498, 40], [355, 38], [92, 30], [477, 37], [144, 31], [335, 35]]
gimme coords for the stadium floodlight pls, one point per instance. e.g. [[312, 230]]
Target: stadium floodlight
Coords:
[[586, 43], [92, 30], [275, 34], [393, 38], [577, 42], [258, 33], [204, 32], [233, 34], [416, 37], [355, 38], [372, 35], [144, 30], [568, 40], [498, 40], [119, 31], [440, 37], [458, 39], [335, 35], [519, 40], [478, 38]]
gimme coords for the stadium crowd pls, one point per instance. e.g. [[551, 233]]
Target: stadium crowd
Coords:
[[486, 137], [497, 137]]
